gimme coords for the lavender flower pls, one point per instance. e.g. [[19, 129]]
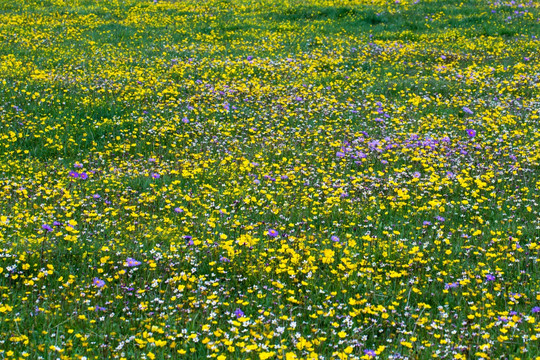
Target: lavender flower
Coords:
[[130, 262], [467, 110], [471, 133], [98, 283], [272, 233], [370, 352]]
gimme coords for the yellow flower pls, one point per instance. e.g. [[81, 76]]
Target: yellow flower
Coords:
[[290, 356], [266, 355]]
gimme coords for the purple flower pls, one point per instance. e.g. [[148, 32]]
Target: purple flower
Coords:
[[427, 223], [185, 120], [272, 233], [130, 262], [334, 238], [57, 223], [46, 227], [417, 174], [178, 210], [156, 176], [471, 132], [96, 196], [78, 166], [370, 352], [239, 313], [439, 218], [536, 309], [467, 110], [99, 308], [490, 277], [84, 176], [98, 283], [340, 154], [451, 285], [74, 174]]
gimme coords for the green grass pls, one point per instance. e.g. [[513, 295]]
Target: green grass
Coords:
[[181, 134]]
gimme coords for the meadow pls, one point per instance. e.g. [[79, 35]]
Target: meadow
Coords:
[[269, 179]]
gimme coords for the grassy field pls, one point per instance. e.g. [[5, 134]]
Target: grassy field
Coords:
[[269, 179]]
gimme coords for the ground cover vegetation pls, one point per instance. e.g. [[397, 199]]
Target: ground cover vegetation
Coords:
[[267, 179]]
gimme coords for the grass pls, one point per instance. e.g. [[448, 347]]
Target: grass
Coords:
[[269, 180]]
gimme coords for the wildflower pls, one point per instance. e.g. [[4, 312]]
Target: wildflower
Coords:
[[98, 283], [156, 176], [74, 174], [272, 233], [334, 238], [83, 176], [46, 227], [370, 352], [471, 133], [535, 309], [130, 262], [239, 313], [467, 110], [490, 277], [178, 210]]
